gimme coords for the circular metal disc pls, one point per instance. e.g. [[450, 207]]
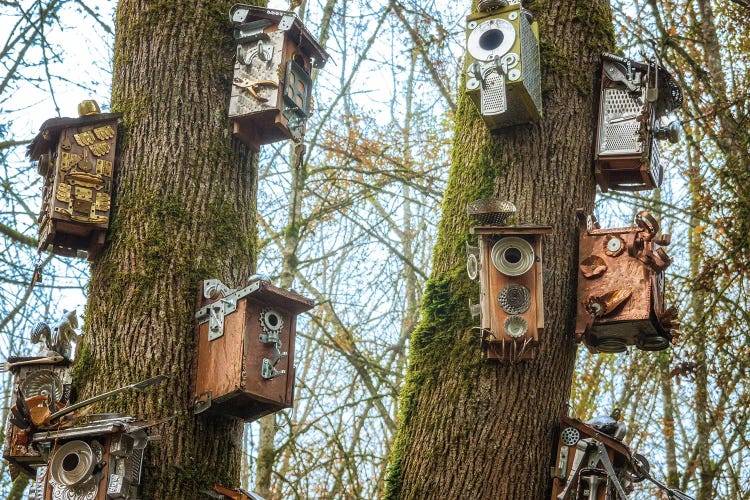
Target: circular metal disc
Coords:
[[514, 299], [516, 326], [72, 463], [570, 436], [513, 256], [42, 380], [472, 266], [491, 38]]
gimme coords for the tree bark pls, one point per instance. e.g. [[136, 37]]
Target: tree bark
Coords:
[[469, 428], [184, 211]]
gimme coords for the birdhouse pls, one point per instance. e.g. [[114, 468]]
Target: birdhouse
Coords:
[[272, 85], [34, 378], [502, 60], [99, 460], [634, 99], [621, 287], [510, 281], [244, 366], [76, 158], [590, 464]]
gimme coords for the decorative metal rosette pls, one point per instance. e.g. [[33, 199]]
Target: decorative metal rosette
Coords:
[[43, 381], [570, 436], [271, 320], [516, 326], [514, 299]]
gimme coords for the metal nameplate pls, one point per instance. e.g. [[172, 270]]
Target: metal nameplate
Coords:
[[100, 148], [104, 167], [104, 133]]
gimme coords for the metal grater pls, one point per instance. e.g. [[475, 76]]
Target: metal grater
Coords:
[[493, 96], [620, 126]]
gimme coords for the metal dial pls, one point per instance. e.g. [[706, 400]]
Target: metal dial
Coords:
[[491, 38]]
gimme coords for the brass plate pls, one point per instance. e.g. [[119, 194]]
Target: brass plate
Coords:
[[63, 193], [68, 160], [102, 202], [85, 138], [82, 206], [104, 167], [104, 133], [82, 193], [100, 148]]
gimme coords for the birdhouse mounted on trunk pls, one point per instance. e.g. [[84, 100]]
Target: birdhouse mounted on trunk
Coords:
[[634, 99], [510, 279], [244, 366], [100, 460], [621, 287], [272, 84], [45, 380], [502, 60], [590, 464], [76, 157]]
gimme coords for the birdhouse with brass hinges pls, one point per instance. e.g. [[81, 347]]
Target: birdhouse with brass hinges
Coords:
[[272, 85], [635, 98], [502, 60], [590, 464], [511, 305], [99, 460], [244, 366], [42, 379], [621, 287], [76, 158]]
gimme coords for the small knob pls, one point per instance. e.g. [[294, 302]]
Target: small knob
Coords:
[[88, 107]]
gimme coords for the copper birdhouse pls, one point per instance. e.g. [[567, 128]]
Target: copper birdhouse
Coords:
[[621, 287], [245, 360], [502, 59], [43, 379], [510, 278], [272, 84], [590, 464], [634, 99], [99, 460], [76, 158]]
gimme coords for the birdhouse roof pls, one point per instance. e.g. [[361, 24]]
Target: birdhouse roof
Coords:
[[241, 14], [50, 131]]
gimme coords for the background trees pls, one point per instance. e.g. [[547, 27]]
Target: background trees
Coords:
[[373, 186]]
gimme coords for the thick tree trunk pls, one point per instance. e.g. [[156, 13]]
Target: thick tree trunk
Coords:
[[469, 428], [184, 208]]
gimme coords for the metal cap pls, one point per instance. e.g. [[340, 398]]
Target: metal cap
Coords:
[[88, 107]]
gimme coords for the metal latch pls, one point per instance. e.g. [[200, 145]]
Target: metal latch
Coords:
[[202, 402]]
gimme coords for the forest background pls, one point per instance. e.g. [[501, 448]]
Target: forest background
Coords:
[[361, 242]]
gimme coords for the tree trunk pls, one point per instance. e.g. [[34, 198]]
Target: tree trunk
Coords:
[[184, 211], [470, 428]]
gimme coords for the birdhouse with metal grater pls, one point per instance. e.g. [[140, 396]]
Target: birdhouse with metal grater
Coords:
[[502, 60], [271, 95], [621, 287], [635, 99], [509, 268], [244, 365], [76, 158], [100, 459]]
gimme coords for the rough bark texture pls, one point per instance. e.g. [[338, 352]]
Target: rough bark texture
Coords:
[[184, 210], [472, 429]]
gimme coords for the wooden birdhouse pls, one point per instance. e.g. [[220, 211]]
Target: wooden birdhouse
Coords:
[[590, 464], [76, 158], [510, 280], [502, 60], [272, 84], [621, 287], [244, 366], [35, 377], [100, 460], [634, 99]]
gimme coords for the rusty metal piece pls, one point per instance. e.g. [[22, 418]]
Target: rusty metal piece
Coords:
[[603, 305], [491, 211], [614, 245], [592, 266]]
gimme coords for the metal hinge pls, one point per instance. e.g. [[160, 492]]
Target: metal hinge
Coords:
[[202, 402]]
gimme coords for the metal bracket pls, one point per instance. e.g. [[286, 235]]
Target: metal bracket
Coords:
[[215, 312], [268, 370], [202, 402], [286, 21]]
